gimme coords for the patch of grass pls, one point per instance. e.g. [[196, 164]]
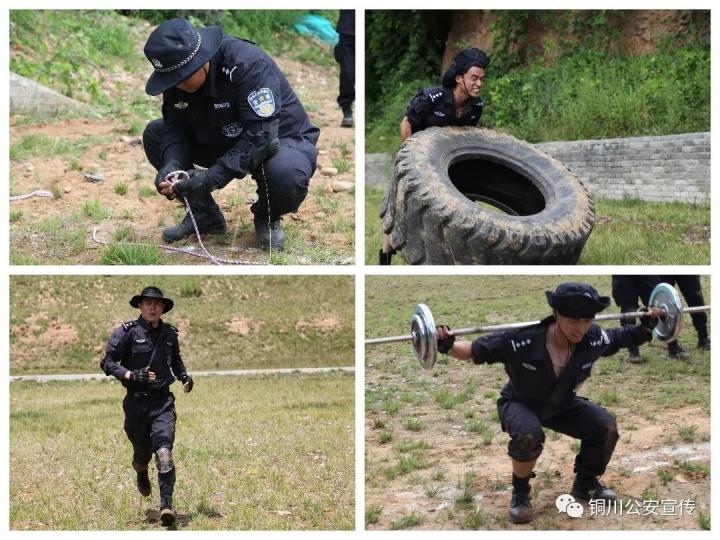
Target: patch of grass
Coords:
[[414, 424], [608, 397], [432, 491], [411, 446], [703, 520], [39, 146], [688, 433], [477, 426], [467, 485], [476, 519], [102, 154], [75, 164], [379, 423], [115, 254], [665, 477], [267, 444], [692, 468], [57, 237], [121, 188], [372, 514], [341, 165], [410, 462], [124, 233], [652, 233], [15, 215], [95, 210], [191, 288], [127, 214], [385, 436], [145, 191], [437, 475], [406, 522]]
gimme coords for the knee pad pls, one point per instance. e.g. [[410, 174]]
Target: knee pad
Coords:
[[526, 446], [164, 460]]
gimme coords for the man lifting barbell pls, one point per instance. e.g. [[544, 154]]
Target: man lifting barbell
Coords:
[[546, 363]]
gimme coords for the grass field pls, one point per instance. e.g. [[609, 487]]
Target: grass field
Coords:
[[436, 457], [652, 233], [251, 454], [62, 323]]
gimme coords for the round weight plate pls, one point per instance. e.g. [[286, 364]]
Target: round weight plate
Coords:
[[424, 336], [665, 297]]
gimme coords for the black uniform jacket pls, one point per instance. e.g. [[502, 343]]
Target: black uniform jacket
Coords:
[[435, 107], [135, 345], [528, 364], [243, 107]]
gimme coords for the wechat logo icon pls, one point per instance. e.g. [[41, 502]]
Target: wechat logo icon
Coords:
[[566, 504]]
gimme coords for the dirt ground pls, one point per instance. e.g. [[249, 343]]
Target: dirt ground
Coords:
[[650, 463], [321, 231]]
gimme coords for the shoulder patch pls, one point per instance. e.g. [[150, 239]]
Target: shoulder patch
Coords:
[[228, 71], [128, 325], [262, 102]]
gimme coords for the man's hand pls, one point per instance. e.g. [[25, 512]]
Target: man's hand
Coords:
[[445, 339], [143, 376], [187, 382], [650, 320], [198, 185], [162, 185]]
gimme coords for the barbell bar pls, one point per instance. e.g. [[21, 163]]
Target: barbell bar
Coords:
[[423, 333]]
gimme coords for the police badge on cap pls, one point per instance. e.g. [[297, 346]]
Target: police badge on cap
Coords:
[[177, 50]]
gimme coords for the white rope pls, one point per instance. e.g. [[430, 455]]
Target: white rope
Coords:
[[36, 193], [173, 177]]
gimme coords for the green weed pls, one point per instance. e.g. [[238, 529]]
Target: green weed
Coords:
[[114, 254], [406, 522], [372, 514], [121, 188], [95, 210]]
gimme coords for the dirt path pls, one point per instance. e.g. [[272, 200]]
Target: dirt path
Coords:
[[58, 230]]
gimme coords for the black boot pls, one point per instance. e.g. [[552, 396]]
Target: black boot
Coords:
[[269, 237], [143, 483], [347, 120], [634, 356], [676, 352], [586, 488], [209, 219], [703, 343], [520, 510], [167, 514], [385, 258]]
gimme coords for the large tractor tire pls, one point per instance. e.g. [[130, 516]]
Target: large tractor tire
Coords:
[[464, 195]]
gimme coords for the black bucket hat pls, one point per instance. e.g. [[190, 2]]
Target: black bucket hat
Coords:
[[152, 292], [177, 50], [463, 61], [577, 300]]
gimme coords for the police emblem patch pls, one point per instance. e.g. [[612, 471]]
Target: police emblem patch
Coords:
[[181, 105], [232, 130], [262, 102], [157, 63]]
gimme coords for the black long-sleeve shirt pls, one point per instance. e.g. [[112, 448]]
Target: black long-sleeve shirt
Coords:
[[245, 104], [136, 345], [527, 362]]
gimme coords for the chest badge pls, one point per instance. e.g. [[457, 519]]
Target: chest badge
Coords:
[[262, 102], [139, 341], [232, 130], [181, 105]]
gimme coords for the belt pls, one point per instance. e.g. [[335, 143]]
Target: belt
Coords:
[[149, 395]]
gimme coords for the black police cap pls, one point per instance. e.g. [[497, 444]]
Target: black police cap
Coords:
[[464, 60], [577, 300], [177, 50], [152, 292]]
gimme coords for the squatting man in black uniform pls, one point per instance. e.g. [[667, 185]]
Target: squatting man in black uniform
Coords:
[[455, 103], [228, 107], [145, 356], [546, 363]]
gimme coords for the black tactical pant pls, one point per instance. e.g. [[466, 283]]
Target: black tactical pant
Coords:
[[150, 424], [691, 290], [582, 419], [285, 176], [626, 290], [345, 56]]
